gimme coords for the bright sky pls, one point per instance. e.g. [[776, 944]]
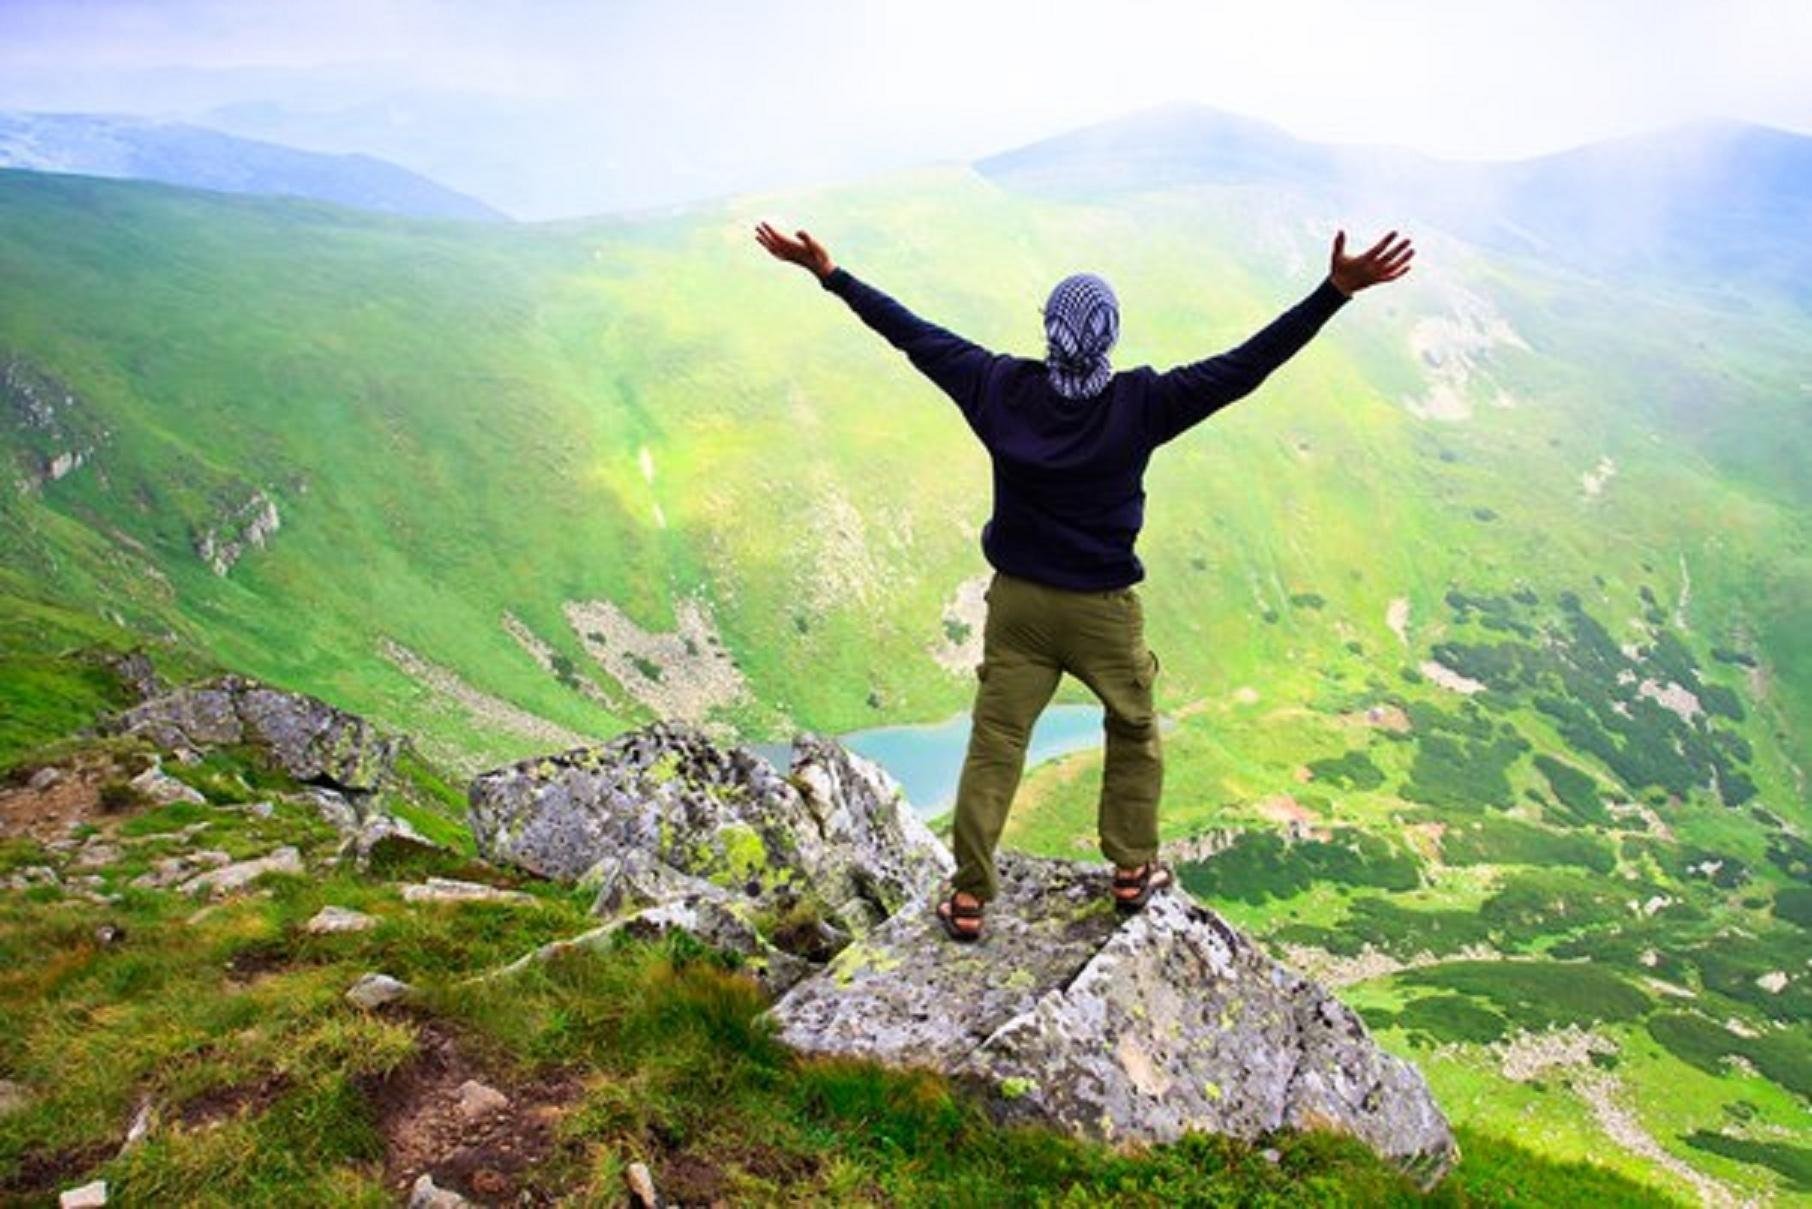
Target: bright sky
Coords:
[[720, 90]]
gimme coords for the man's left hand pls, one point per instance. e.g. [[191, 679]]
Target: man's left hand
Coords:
[[804, 251]]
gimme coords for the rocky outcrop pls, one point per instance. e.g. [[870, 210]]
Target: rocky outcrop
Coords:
[[657, 810], [300, 735], [51, 430], [1143, 1028], [249, 525]]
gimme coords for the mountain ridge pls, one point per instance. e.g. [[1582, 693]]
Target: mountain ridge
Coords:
[[178, 153]]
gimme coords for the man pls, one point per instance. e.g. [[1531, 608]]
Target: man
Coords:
[[1069, 439]]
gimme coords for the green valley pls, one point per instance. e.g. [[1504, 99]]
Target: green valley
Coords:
[[1483, 622]]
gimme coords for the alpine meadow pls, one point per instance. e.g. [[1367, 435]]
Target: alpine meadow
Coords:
[[1486, 662]]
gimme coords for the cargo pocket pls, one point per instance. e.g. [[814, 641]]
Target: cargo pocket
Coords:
[[1147, 675]]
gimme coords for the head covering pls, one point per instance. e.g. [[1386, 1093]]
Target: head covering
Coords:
[[1081, 323]]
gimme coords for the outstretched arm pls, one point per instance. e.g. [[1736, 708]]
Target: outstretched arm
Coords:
[[1189, 394], [956, 365]]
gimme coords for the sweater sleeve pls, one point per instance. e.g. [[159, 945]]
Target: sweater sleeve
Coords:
[[1187, 395], [956, 365]]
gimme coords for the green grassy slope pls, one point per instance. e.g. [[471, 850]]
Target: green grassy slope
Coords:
[[455, 422]]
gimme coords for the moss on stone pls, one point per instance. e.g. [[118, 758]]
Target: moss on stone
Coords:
[[1015, 1086]]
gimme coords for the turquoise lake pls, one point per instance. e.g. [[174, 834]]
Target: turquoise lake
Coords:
[[927, 758]]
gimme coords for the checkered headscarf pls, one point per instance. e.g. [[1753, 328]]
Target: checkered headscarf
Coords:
[[1081, 323]]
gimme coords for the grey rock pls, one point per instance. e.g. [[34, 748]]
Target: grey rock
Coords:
[[878, 852], [632, 879], [424, 1194], [726, 816], [164, 789], [332, 921], [1138, 1028], [333, 807], [169, 870], [88, 1196], [449, 890], [27, 876], [382, 836], [44, 778], [718, 923], [641, 1187], [142, 1120], [478, 1100], [302, 735], [374, 991], [96, 853], [135, 672], [710, 916], [239, 874]]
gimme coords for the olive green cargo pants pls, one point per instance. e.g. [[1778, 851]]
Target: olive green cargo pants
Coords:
[[1034, 634]]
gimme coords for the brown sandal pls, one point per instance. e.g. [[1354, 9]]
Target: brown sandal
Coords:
[[1151, 876], [958, 911]]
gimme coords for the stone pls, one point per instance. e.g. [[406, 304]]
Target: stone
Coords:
[[301, 735], [711, 917], [333, 807], [44, 778], [373, 991], [88, 1196], [97, 853], [331, 921], [838, 827], [238, 875], [425, 1194], [449, 890], [135, 672], [1115, 1028], [641, 1187], [165, 789], [382, 836], [27, 876], [13, 1097], [140, 1127], [168, 870], [477, 1101], [715, 922]]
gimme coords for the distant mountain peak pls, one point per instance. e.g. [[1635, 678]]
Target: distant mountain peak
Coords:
[[176, 153]]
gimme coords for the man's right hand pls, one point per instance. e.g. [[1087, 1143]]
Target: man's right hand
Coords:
[[1382, 262], [804, 251]]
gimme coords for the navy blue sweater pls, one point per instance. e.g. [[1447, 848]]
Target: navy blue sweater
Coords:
[[1069, 494]]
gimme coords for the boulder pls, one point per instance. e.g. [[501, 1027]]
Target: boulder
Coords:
[[452, 890], [373, 991], [1142, 1027], [380, 836], [164, 789], [332, 921], [425, 1194], [227, 878], [302, 735], [838, 828]]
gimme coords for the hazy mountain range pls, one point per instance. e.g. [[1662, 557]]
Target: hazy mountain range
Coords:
[[176, 153]]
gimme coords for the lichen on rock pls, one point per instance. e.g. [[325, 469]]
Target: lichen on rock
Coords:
[[1143, 1028]]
